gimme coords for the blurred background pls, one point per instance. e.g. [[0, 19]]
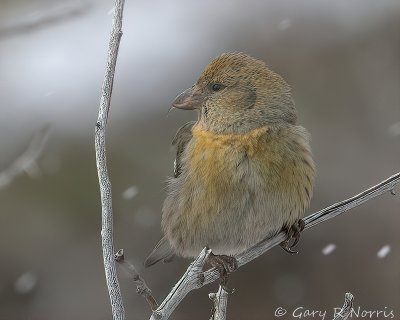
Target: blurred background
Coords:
[[342, 59]]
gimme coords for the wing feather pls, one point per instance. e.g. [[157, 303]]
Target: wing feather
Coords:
[[181, 139], [163, 250]]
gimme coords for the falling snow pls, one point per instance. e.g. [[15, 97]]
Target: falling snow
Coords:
[[49, 94], [111, 11], [383, 252], [130, 192], [285, 24], [394, 129], [25, 283], [328, 249]]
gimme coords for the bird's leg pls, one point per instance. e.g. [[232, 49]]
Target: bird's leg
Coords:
[[293, 232], [225, 265]]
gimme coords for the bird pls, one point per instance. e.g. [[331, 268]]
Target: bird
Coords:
[[243, 170]]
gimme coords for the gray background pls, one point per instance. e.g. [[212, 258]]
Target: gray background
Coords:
[[342, 59]]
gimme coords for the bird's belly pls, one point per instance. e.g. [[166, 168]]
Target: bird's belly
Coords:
[[228, 197], [223, 202]]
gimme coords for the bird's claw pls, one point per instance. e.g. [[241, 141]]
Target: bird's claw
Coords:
[[293, 232], [225, 265]]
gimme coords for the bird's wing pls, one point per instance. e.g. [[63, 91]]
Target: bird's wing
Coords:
[[162, 251], [181, 139]]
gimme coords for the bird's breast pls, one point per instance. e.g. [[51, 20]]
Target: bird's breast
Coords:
[[218, 160]]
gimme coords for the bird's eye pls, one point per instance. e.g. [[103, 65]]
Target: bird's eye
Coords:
[[216, 87]]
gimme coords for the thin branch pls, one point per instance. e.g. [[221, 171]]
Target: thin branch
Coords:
[[114, 290], [141, 286], [47, 17], [345, 311], [26, 162], [220, 300], [190, 280]]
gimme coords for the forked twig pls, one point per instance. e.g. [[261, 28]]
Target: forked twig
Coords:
[[345, 311], [220, 300], [141, 286], [27, 160]]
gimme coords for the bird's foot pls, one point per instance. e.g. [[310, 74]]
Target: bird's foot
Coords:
[[293, 232], [225, 265]]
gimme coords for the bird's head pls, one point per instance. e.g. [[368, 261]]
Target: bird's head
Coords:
[[237, 93]]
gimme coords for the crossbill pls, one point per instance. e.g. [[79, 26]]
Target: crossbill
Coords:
[[243, 171]]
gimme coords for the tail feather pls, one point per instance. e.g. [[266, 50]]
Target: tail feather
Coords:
[[162, 251]]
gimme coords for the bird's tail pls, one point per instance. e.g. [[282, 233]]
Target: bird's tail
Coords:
[[162, 251]]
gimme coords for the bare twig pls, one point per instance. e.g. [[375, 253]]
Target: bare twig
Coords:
[[46, 17], [114, 291], [26, 162], [141, 286], [220, 300], [345, 311], [190, 280]]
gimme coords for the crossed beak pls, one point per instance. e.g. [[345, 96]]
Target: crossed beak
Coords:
[[189, 99]]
